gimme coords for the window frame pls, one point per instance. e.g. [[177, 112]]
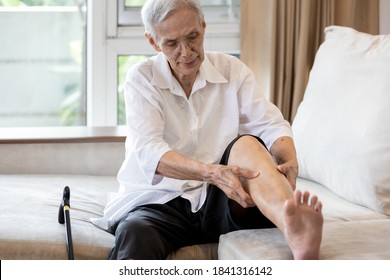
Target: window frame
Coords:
[[130, 16]]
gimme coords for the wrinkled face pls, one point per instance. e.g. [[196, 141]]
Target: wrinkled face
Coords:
[[180, 37]]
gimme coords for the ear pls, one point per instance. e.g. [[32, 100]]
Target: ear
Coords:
[[204, 24], [152, 42]]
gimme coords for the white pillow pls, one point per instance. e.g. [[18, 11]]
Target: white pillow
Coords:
[[342, 127]]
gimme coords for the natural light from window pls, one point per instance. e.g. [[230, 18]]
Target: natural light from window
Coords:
[[42, 63]]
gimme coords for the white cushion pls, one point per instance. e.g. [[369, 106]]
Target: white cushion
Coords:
[[335, 208], [342, 127]]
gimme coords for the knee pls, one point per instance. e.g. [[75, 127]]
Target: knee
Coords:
[[131, 229], [250, 140], [137, 239], [251, 153], [248, 144]]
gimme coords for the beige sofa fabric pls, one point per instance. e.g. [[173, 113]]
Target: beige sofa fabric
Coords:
[[100, 158], [352, 240], [29, 227]]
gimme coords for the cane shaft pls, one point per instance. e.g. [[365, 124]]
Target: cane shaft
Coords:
[[69, 241]]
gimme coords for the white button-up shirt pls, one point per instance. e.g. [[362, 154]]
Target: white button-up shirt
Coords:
[[225, 102]]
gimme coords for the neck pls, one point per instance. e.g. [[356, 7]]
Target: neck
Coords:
[[187, 87], [186, 83]]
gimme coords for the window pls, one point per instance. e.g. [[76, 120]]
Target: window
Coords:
[[63, 62], [42, 74], [216, 11], [124, 63]]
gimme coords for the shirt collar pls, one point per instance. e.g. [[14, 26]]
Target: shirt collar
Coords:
[[163, 78], [209, 73]]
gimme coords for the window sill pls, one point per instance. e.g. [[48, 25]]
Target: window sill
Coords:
[[79, 134]]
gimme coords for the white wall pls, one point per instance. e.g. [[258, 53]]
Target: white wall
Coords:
[[384, 16]]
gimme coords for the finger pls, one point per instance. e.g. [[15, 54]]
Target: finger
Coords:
[[289, 174], [232, 185], [281, 169], [292, 180], [241, 196], [247, 202], [246, 173]]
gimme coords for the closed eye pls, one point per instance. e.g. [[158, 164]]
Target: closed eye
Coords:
[[171, 43], [193, 36]]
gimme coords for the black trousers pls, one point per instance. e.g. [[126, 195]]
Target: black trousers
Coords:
[[153, 231]]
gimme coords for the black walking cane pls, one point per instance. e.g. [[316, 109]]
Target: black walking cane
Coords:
[[64, 217]]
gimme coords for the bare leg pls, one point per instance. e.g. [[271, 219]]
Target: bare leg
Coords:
[[297, 217]]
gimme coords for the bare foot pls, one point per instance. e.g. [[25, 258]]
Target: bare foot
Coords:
[[303, 222]]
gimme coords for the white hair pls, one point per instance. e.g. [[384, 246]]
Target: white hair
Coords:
[[156, 11]]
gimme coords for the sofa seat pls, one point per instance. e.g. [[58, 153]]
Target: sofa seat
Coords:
[[29, 227], [350, 231], [352, 240]]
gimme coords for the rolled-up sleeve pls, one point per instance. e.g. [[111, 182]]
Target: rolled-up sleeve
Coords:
[[259, 116]]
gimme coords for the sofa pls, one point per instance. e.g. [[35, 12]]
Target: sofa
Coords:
[[341, 131], [36, 166]]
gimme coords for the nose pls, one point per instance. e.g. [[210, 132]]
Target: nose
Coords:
[[185, 49]]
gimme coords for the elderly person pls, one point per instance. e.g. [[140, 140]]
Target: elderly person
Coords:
[[206, 152]]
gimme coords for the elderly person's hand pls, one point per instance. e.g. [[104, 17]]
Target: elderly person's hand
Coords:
[[227, 178], [284, 152], [290, 170]]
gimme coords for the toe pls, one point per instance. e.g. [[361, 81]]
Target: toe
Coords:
[[305, 198], [297, 197]]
